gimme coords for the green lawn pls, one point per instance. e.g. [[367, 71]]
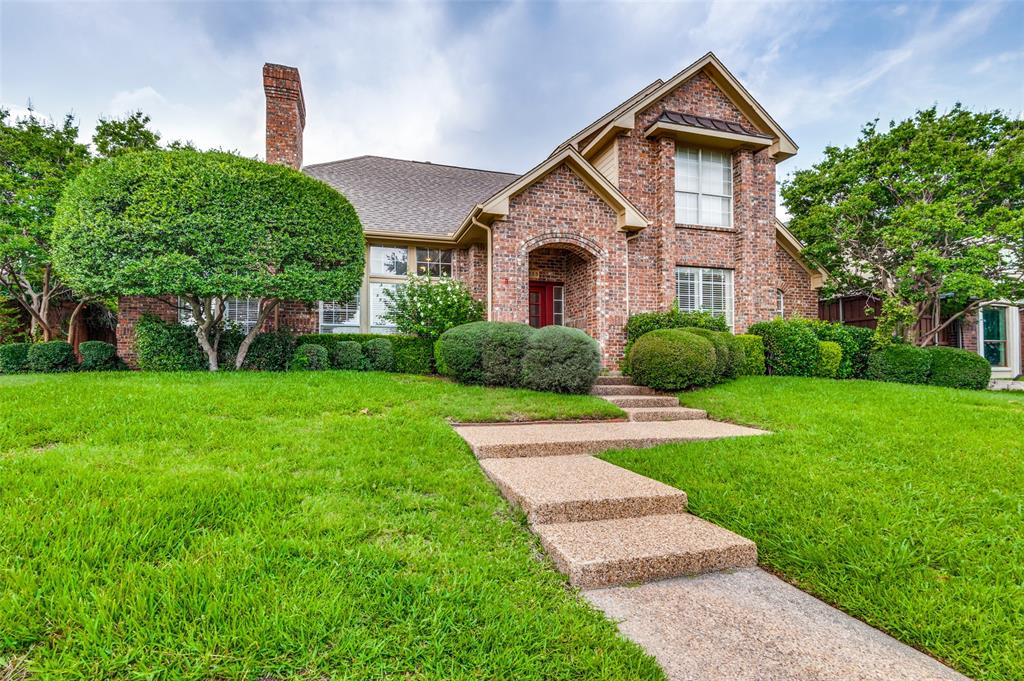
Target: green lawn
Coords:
[[316, 525], [903, 505]]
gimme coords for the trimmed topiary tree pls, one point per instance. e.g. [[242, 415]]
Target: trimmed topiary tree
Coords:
[[790, 347], [899, 363], [380, 356], [99, 356], [14, 358], [673, 359], [207, 226], [753, 355], [348, 356], [561, 359], [955, 368], [52, 357], [830, 358], [310, 357]]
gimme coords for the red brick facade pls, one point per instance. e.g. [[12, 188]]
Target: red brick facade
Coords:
[[286, 114], [799, 299]]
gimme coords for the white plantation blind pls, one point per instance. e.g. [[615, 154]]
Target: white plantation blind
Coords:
[[244, 312], [340, 317], [703, 187], [703, 289], [378, 306]]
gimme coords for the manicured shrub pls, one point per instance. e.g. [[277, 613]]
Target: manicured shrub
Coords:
[[561, 359], [502, 352], [790, 347], [99, 356], [51, 357], [673, 359], [955, 368], [231, 337], [645, 322], [348, 356], [753, 354], [439, 364], [310, 357], [899, 363], [830, 358], [841, 334], [413, 355], [864, 338], [462, 352], [380, 355], [723, 365], [427, 307], [14, 358], [271, 351], [167, 346]]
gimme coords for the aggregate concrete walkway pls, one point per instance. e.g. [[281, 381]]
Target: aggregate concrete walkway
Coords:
[[604, 526]]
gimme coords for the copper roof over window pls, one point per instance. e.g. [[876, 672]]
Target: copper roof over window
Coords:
[[707, 123]]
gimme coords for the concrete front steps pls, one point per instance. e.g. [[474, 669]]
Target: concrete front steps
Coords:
[[643, 404]]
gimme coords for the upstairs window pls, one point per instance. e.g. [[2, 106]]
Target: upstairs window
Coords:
[[702, 289], [433, 262], [703, 187], [389, 261]]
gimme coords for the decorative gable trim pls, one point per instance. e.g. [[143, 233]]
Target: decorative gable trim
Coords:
[[795, 247], [623, 118]]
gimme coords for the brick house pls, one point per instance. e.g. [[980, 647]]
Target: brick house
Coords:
[[668, 198]]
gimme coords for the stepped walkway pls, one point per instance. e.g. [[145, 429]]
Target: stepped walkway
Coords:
[[684, 589]]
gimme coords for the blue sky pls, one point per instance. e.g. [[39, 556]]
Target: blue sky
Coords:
[[498, 85]]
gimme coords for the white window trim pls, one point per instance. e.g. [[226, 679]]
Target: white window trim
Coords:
[[1013, 367], [780, 303], [699, 193], [730, 291]]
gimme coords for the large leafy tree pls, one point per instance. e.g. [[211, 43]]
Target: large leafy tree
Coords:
[[927, 216], [37, 159], [204, 227]]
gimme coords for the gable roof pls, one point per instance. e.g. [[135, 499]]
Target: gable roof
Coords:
[[795, 247], [623, 117], [392, 195]]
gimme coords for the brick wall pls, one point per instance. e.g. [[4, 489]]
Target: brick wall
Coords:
[[129, 310], [800, 299]]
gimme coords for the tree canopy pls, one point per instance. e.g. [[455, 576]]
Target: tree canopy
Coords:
[[928, 216], [206, 226]]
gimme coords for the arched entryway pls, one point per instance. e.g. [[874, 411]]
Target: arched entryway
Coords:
[[563, 280]]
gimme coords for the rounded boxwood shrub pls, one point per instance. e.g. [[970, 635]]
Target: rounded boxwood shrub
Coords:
[[645, 322], [841, 334], [723, 364], [310, 357], [461, 351], [673, 359], [380, 356], [14, 358], [790, 347], [271, 351], [99, 356], [52, 357], [955, 368], [348, 356], [561, 359], [167, 346], [899, 363], [501, 354], [753, 354], [830, 358]]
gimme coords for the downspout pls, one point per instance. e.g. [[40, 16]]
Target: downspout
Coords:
[[490, 247]]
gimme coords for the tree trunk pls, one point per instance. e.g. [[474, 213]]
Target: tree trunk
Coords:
[[267, 307]]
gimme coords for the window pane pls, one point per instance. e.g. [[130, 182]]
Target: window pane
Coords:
[[780, 303], [715, 175], [995, 353], [993, 321], [389, 260], [378, 305], [557, 304], [687, 172], [340, 317], [433, 262], [686, 289], [714, 211], [244, 312], [686, 208]]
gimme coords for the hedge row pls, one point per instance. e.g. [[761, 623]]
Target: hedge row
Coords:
[[678, 359], [52, 357], [553, 359], [645, 322], [942, 366], [412, 355]]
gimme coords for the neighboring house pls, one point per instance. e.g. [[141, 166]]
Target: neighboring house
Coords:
[[669, 198], [996, 334]]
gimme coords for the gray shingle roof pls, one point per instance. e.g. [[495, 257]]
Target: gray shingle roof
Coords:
[[391, 195]]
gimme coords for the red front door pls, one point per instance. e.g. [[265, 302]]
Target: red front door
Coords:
[[541, 303]]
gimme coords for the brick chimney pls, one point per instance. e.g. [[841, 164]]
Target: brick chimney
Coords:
[[286, 114]]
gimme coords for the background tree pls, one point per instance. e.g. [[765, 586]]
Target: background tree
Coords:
[[927, 216], [115, 136], [204, 227]]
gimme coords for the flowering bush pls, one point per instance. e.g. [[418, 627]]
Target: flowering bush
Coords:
[[428, 307]]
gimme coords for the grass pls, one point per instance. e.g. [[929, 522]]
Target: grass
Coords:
[[903, 505], [306, 526]]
